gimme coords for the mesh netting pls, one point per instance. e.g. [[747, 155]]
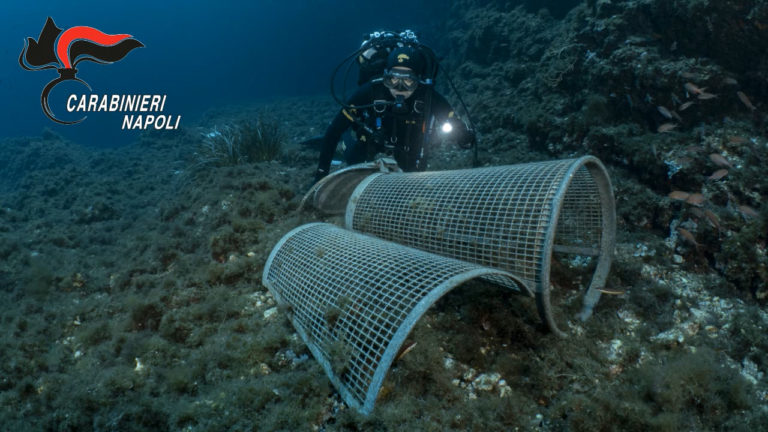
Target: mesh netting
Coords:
[[354, 299], [508, 217], [580, 226]]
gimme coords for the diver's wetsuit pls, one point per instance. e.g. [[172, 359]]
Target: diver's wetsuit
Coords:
[[383, 129]]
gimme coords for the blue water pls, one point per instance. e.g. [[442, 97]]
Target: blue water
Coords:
[[201, 54]]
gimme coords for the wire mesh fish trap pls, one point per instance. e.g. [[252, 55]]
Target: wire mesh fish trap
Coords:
[[354, 299], [513, 218]]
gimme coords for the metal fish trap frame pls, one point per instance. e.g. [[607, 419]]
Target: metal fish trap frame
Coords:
[[508, 217], [354, 298]]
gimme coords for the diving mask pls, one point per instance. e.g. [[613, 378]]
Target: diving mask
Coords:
[[403, 81]]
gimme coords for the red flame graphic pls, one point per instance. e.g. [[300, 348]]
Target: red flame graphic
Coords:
[[87, 33]]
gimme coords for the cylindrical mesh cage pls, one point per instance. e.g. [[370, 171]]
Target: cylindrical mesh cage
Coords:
[[354, 299], [508, 217]]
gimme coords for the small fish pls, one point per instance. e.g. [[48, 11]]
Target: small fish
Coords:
[[712, 219], [748, 211], [695, 199], [666, 127], [664, 111], [689, 75], [684, 233], [737, 139], [719, 160], [611, 292], [685, 106], [717, 175], [745, 100], [694, 149], [693, 89], [730, 81], [679, 195], [706, 96], [405, 349]]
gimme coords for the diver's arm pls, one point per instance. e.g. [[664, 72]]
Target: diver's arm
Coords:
[[331, 139], [343, 120]]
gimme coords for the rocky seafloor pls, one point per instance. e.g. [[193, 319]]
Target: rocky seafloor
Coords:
[[130, 279]]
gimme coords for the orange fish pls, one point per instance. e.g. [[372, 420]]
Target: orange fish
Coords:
[[748, 211], [717, 175], [745, 100], [666, 127], [712, 218], [679, 195], [693, 89], [695, 199], [719, 160], [684, 233]]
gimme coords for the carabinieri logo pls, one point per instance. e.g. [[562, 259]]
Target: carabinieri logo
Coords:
[[63, 50]]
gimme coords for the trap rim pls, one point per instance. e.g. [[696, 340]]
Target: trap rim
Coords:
[[607, 241], [355, 197], [331, 193]]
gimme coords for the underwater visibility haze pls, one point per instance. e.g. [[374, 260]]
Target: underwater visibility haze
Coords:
[[131, 261]]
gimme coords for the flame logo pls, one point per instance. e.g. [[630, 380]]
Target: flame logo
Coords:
[[64, 49]]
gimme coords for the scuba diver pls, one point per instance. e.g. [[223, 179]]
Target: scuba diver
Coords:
[[397, 114]]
